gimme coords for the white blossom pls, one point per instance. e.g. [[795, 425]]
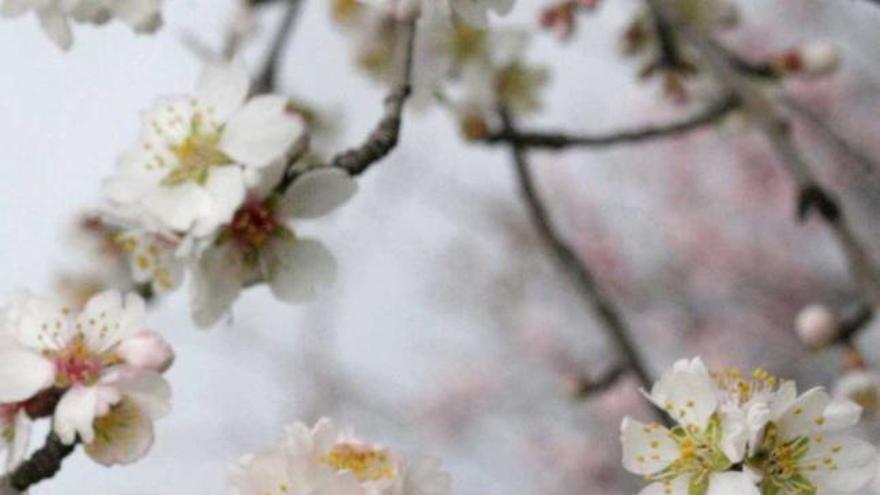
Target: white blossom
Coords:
[[861, 387], [741, 433], [107, 402], [197, 155], [475, 12], [55, 16], [325, 460], [260, 244]]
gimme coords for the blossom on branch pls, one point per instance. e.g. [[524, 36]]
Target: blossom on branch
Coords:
[[144, 16], [324, 459], [197, 155], [475, 12], [97, 373], [740, 433], [259, 244]]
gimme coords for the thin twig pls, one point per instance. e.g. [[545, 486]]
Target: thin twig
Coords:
[[603, 307], [812, 195], [854, 152], [587, 387], [557, 140], [384, 136], [267, 79], [42, 465]]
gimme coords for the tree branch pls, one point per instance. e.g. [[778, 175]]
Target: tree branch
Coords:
[[556, 141], [384, 136], [266, 80], [604, 309], [587, 387], [812, 195], [42, 465]]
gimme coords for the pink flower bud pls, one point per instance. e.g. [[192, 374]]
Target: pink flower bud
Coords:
[[146, 349], [820, 58], [817, 326]]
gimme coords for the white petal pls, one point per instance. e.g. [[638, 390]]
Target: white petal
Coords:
[[687, 393], [839, 463], [225, 189], [223, 88], [261, 132], [125, 435], [149, 390], [840, 414], [317, 193], [298, 269], [107, 319], [647, 449], [21, 440], [678, 486], [804, 415], [56, 26], [218, 278], [23, 373], [732, 483], [75, 414], [179, 207]]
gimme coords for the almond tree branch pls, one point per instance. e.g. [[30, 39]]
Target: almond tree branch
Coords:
[[604, 309], [587, 386], [384, 136], [42, 465], [266, 80], [812, 194], [556, 141]]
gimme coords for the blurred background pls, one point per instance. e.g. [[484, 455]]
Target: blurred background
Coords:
[[451, 332]]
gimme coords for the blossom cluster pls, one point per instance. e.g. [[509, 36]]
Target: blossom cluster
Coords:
[[747, 434], [55, 16], [199, 192], [97, 373], [325, 459]]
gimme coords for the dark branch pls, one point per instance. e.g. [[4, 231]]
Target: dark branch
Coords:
[[603, 307], [267, 79], [854, 322], [550, 140], [42, 465], [384, 136], [812, 195], [587, 387]]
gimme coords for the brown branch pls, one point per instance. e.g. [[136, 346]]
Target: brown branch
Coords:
[[266, 81], [851, 150], [556, 141], [42, 465], [384, 136], [604, 309], [586, 387], [812, 194]]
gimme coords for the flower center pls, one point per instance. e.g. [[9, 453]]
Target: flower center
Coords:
[[252, 227], [782, 464], [76, 363], [365, 463], [741, 388], [196, 154]]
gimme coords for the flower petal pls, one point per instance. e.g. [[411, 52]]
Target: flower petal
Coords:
[[223, 87], [125, 435], [804, 415], [107, 319], [317, 193], [732, 483], [75, 414], [55, 24], [261, 132], [687, 393], [23, 372], [218, 278], [298, 269], [678, 486], [647, 449]]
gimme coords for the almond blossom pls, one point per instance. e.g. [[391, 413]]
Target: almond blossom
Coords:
[[260, 244], [110, 386], [197, 155], [55, 16], [689, 458], [475, 12], [325, 460], [759, 437]]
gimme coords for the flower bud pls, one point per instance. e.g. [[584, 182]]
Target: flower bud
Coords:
[[861, 387], [814, 59], [817, 326], [146, 349]]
